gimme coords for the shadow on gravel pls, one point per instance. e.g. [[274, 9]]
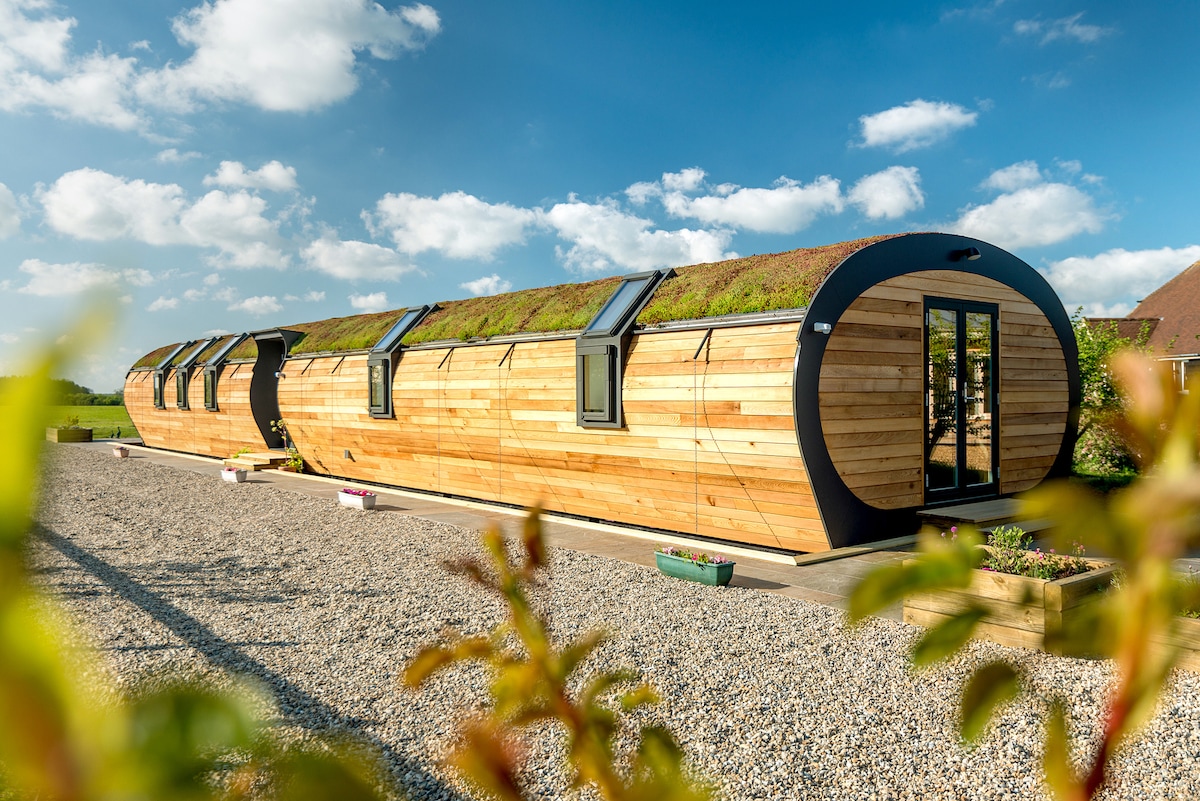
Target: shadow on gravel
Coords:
[[295, 704]]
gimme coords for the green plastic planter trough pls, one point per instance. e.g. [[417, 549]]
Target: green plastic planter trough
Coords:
[[678, 567]]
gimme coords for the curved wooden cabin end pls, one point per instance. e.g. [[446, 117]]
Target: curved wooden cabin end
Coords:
[[861, 396], [197, 430], [709, 445]]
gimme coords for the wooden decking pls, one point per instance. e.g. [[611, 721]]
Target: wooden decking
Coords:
[[983, 515], [267, 460]]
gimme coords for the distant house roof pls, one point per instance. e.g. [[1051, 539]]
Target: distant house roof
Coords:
[[1176, 304], [1127, 327]]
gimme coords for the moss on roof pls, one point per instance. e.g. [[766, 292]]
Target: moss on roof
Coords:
[[771, 282], [155, 356]]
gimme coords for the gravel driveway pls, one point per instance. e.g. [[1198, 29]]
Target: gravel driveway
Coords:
[[771, 697]]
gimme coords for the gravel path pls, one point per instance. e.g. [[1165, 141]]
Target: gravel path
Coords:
[[772, 697]]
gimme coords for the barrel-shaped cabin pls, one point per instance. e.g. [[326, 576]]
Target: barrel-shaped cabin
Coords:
[[799, 401]]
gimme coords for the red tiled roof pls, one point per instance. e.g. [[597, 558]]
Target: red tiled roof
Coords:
[[1177, 304], [1128, 327]]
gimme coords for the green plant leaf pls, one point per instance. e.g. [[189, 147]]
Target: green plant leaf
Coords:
[[991, 685], [947, 566], [948, 636], [436, 657], [1056, 760]]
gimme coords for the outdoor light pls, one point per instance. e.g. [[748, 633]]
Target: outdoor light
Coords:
[[969, 254], [822, 328], [279, 374]]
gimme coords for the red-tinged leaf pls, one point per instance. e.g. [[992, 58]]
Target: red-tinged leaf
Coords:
[[488, 760], [531, 537], [991, 686], [1056, 760], [947, 637]]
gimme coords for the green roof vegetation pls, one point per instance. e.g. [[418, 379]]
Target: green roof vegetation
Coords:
[[771, 282], [155, 356]]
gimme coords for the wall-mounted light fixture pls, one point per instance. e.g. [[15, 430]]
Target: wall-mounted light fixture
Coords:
[[823, 328], [966, 254], [279, 374]]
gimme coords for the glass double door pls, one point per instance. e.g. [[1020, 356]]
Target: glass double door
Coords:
[[960, 399]]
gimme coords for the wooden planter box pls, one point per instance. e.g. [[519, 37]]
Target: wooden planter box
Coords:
[[1023, 609], [1187, 639], [69, 434]]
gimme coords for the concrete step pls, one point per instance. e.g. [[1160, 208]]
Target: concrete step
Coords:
[[256, 461]]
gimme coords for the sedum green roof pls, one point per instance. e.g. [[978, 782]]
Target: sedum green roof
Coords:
[[764, 283]]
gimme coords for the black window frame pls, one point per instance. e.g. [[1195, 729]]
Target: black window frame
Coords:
[[160, 375], [611, 342], [212, 370], [383, 358], [183, 373]]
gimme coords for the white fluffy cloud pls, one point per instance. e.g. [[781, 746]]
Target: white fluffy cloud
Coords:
[[603, 238], [888, 194], [173, 156], [282, 55], [1111, 283], [58, 280], [163, 304], [10, 213], [353, 260], [456, 224], [1063, 28], [375, 302], [916, 124], [94, 205], [273, 176], [785, 208], [1031, 213], [487, 285], [257, 306]]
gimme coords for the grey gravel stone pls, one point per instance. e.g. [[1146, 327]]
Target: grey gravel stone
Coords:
[[771, 697]]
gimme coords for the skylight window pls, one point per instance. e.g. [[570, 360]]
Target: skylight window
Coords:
[[382, 361]]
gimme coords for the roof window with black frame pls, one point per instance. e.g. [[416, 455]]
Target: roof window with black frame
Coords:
[[183, 372], [160, 374], [212, 371], [600, 351], [382, 360]]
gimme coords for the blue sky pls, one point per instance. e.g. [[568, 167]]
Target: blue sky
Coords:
[[241, 164]]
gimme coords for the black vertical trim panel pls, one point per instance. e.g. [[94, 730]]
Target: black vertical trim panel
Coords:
[[273, 346], [847, 519]]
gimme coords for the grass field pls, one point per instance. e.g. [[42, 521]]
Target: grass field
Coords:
[[103, 420]]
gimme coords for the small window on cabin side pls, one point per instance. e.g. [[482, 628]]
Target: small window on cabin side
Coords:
[[181, 388], [378, 385], [159, 400], [596, 366], [210, 391]]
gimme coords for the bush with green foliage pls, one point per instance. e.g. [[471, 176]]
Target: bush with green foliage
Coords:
[[1144, 527], [1100, 448]]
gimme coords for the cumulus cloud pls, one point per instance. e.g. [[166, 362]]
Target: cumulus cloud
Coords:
[[59, 280], [173, 156], [280, 55], [787, 207], [10, 213], [273, 176], [914, 125], [603, 238], [353, 260], [1064, 28], [94, 205], [1111, 283], [889, 194], [1030, 215], [258, 305], [487, 285], [375, 302], [163, 304], [456, 224]]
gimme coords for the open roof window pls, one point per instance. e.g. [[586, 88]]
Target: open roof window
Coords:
[[381, 361], [212, 371], [600, 351], [160, 374]]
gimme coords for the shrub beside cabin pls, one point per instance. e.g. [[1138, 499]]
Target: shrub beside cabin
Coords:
[[800, 401]]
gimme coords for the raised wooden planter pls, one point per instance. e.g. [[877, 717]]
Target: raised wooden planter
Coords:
[[69, 434], [1024, 609], [1187, 639]]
